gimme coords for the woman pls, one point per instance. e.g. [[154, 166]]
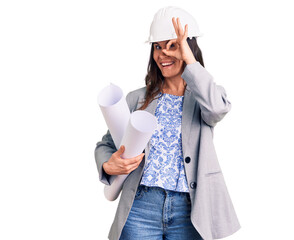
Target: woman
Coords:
[[175, 190]]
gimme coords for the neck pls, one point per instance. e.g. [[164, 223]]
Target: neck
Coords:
[[174, 86]]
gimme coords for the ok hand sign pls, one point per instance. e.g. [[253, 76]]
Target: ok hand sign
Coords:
[[181, 50]]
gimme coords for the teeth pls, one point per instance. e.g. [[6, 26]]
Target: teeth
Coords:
[[166, 64]]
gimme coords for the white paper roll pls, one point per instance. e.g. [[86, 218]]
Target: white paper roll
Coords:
[[140, 128], [115, 111]]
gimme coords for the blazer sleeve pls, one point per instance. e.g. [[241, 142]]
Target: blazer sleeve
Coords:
[[103, 151], [212, 98]]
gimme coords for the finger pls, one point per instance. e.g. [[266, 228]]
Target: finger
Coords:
[[129, 169], [180, 29], [135, 159], [121, 150], [170, 42], [175, 26], [169, 53], [186, 31], [133, 166]]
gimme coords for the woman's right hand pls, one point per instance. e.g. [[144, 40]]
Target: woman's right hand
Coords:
[[118, 166]]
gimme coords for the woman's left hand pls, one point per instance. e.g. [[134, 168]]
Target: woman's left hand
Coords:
[[181, 50]]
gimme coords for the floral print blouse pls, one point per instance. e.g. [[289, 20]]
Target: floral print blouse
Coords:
[[165, 167]]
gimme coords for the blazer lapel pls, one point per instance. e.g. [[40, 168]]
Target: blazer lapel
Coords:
[[151, 109], [187, 116]]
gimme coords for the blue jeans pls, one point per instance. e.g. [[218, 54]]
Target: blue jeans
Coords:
[[159, 214]]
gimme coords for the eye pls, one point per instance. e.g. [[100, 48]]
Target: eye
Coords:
[[157, 47], [172, 45]]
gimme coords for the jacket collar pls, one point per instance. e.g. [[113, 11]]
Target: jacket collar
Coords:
[[187, 117]]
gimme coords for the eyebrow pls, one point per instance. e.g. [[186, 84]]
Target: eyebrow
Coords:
[[159, 44]]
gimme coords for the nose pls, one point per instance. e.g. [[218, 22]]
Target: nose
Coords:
[[162, 54]]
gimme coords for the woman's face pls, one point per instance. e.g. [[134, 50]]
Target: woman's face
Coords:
[[170, 66]]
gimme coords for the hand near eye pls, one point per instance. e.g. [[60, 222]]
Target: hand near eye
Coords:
[[181, 49]]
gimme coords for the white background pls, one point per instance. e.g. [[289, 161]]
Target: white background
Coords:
[[55, 57]]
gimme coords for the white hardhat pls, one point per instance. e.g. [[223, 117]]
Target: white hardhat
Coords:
[[162, 28]]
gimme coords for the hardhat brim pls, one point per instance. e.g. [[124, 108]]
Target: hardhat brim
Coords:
[[165, 39]]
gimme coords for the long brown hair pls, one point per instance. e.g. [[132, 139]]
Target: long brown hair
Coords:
[[154, 79]]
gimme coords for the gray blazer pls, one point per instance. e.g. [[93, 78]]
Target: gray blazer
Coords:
[[205, 104]]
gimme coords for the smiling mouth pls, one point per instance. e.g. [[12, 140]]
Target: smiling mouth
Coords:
[[167, 64]]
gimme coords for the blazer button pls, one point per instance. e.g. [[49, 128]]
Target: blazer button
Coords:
[[187, 159], [193, 185]]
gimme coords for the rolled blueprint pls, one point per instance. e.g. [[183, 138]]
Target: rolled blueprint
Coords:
[[139, 130], [115, 111]]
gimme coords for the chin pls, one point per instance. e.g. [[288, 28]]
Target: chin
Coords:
[[171, 75], [168, 75]]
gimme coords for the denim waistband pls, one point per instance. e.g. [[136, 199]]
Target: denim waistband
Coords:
[[161, 190]]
